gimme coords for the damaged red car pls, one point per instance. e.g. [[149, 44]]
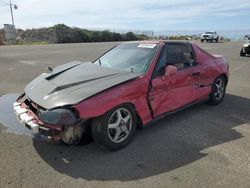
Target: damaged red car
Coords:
[[128, 86]]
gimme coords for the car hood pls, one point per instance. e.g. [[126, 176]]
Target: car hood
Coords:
[[72, 83]]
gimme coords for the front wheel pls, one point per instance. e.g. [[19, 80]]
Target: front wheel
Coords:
[[242, 53], [115, 129], [218, 90]]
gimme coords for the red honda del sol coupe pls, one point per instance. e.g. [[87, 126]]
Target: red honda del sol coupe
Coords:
[[126, 87]]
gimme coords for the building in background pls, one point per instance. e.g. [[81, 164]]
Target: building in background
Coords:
[[10, 32]]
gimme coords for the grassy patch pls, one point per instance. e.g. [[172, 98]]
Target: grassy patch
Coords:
[[27, 43]]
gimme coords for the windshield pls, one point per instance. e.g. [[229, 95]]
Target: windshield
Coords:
[[209, 32], [133, 57]]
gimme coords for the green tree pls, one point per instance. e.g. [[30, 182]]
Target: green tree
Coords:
[[130, 36]]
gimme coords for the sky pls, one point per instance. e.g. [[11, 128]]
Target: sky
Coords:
[[157, 15]]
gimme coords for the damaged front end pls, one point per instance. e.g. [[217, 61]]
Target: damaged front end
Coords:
[[56, 124]]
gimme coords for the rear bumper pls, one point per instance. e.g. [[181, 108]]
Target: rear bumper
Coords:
[[25, 117]]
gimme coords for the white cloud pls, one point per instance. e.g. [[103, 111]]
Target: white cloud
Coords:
[[128, 14]]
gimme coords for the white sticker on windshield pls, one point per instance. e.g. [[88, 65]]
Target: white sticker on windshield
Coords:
[[146, 45]]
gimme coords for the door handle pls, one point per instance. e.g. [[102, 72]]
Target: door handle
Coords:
[[196, 74]]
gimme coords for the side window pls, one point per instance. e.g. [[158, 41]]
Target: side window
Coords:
[[179, 55]]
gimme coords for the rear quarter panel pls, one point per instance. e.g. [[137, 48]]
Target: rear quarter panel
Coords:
[[212, 65]]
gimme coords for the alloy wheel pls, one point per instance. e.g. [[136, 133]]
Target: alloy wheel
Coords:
[[219, 88], [119, 125]]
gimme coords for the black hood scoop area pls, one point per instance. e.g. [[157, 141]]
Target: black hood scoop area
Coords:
[[53, 75]]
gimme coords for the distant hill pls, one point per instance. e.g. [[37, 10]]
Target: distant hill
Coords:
[[63, 34]]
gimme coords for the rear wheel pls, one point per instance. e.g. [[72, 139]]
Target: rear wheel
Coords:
[[115, 129], [218, 91]]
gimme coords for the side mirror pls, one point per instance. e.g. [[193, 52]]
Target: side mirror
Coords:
[[170, 70]]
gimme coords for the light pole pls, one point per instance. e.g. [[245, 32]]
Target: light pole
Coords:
[[11, 11]]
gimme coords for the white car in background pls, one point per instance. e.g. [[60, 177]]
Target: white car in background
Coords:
[[210, 36], [246, 46]]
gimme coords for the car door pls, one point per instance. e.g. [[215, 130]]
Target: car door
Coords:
[[168, 93]]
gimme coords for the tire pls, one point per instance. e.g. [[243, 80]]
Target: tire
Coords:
[[242, 53], [202, 40], [116, 128], [218, 91], [216, 40], [72, 135]]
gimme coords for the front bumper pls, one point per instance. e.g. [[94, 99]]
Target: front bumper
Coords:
[[206, 37], [26, 117]]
